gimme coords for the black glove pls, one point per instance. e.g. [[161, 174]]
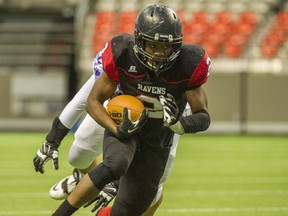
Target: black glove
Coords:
[[48, 151], [104, 197], [127, 126], [170, 110]]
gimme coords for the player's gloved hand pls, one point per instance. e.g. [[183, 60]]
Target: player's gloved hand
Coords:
[[171, 114], [127, 126], [104, 197], [170, 110], [48, 151]]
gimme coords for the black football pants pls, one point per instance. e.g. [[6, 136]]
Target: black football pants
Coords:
[[139, 168]]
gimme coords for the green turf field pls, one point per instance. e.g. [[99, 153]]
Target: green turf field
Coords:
[[212, 175]]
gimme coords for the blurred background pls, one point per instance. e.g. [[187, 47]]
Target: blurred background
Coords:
[[47, 49]]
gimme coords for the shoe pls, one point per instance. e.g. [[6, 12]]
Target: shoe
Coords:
[[62, 189]]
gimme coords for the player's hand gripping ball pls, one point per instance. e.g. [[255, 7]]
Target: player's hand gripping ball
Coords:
[[116, 105]]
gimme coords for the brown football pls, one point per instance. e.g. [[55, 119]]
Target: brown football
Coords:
[[116, 105]]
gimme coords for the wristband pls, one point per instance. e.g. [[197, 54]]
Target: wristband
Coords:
[[177, 128]]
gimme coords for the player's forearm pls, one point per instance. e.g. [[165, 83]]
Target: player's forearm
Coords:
[[77, 106], [57, 132], [98, 112], [199, 121]]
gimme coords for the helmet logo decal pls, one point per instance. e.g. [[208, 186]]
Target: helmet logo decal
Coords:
[[156, 37]]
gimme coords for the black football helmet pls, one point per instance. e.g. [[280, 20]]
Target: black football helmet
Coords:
[[157, 23]]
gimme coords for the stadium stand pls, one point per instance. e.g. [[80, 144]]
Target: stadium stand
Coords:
[[36, 51], [233, 22], [39, 40]]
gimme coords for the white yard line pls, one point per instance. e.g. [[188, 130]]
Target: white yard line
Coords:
[[173, 211], [228, 193], [25, 212], [174, 193], [224, 210], [230, 180], [24, 195]]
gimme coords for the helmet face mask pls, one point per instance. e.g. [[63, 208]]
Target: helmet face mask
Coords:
[[158, 24]]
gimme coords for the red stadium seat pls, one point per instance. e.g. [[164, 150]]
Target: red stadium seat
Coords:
[[224, 17], [232, 51], [215, 39], [282, 21], [269, 51], [105, 21], [192, 38], [213, 50], [243, 28], [237, 40], [248, 17], [127, 22], [200, 17], [196, 28], [282, 17], [220, 28]]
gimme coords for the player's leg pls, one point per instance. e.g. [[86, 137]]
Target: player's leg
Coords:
[[84, 155], [159, 196], [139, 185], [154, 206]]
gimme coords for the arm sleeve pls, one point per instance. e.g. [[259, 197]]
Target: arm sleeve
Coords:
[[77, 106], [199, 121]]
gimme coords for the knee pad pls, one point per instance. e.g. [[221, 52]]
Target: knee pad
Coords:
[[100, 176], [80, 158], [118, 167], [89, 135]]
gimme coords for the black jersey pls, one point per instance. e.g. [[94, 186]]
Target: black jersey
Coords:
[[189, 71]]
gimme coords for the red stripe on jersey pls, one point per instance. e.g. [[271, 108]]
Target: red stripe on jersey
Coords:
[[109, 65], [176, 82], [201, 73]]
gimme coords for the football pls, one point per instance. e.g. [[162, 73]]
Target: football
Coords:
[[116, 105]]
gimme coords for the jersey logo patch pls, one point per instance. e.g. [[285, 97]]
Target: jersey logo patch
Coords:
[[132, 69]]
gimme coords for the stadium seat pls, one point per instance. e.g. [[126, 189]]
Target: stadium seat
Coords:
[[220, 28], [248, 17], [197, 28], [223, 17], [200, 17], [215, 39], [243, 28], [269, 51], [232, 51], [127, 22], [192, 38], [104, 21], [213, 50]]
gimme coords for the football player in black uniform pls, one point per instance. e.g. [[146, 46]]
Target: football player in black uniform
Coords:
[[164, 74]]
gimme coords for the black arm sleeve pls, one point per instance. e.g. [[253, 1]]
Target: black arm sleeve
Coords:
[[199, 121]]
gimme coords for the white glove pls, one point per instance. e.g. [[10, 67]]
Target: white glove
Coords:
[[170, 110], [48, 151]]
